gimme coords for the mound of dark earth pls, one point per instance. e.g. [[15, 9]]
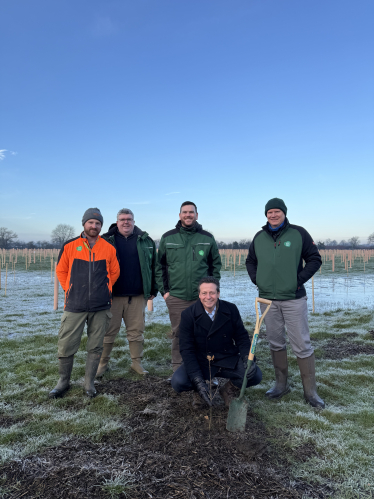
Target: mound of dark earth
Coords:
[[344, 345], [165, 451]]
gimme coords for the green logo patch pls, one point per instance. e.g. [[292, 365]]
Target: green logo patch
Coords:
[[287, 243], [79, 248], [201, 252]]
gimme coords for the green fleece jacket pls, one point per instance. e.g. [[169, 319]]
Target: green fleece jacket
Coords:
[[184, 257], [275, 261]]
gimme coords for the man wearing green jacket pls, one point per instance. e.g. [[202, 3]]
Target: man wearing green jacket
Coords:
[[136, 253], [275, 266], [186, 254]]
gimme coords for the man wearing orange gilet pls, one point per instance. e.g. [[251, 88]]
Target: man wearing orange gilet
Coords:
[[87, 268]]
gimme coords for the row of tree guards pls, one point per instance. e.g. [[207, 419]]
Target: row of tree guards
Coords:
[[31, 259]]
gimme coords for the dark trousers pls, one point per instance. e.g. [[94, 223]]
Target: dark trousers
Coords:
[[182, 383]]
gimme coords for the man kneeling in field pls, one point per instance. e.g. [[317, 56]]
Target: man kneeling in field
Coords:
[[213, 328]]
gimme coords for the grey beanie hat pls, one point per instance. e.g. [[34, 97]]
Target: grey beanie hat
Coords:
[[92, 213], [275, 203]]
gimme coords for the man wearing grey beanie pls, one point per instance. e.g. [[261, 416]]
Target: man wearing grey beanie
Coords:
[[87, 268], [275, 266]]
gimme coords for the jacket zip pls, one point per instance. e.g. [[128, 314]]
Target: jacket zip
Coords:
[[193, 253]]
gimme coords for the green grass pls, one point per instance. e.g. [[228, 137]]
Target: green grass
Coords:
[[341, 436]]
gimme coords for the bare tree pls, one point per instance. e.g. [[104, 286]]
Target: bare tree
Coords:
[[7, 237], [354, 241], [62, 233], [371, 239]]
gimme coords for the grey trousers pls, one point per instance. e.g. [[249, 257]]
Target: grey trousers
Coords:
[[176, 307], [290, 315]]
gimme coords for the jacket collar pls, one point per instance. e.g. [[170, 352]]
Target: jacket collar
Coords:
[[202, 318], [274, 233], [198, 227]]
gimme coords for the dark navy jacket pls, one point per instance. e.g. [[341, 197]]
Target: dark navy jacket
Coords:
[[226, 338]]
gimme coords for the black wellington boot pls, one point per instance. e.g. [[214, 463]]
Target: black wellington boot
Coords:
[[281, 386]]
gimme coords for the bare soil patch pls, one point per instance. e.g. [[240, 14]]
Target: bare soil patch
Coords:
[[341, 346], [166, 451]]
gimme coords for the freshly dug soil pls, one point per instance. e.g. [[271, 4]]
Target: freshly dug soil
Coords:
[[166, 451], [342, 346]]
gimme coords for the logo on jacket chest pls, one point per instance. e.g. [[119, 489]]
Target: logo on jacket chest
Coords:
[[201, 252], [79, 248], [287, 243]]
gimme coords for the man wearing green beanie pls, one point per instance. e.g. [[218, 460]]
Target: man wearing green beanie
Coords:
[[275, 266]]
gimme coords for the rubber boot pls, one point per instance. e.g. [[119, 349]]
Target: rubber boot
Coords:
[[280, 364], [92, 363], [65, 366], [308, 377], [136, 352], [229, 392], [105, 356]]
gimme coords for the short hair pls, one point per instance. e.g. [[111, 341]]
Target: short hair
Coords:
[[125, 211], [187, 203], [209, 280]]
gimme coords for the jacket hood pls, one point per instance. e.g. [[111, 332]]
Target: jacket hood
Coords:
[[196, 226], [113, 229]]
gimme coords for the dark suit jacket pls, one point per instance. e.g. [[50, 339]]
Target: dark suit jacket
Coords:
[[225, 338]]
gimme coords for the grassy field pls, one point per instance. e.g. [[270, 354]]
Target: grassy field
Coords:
[[332, 451]]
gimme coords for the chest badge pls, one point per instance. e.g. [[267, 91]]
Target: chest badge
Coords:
[[287, 243], [79, 248], [201, 252]]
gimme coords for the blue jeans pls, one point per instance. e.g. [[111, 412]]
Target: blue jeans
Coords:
[[182, 383]]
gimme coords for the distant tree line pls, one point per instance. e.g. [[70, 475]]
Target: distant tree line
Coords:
[[64, 232], [61, 234], [352, 243]]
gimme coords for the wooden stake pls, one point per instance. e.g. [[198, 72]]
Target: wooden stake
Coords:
[[150, 305], [6, 277], [52, 269]]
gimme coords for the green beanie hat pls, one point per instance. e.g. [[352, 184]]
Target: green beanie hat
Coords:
[[275, 204]]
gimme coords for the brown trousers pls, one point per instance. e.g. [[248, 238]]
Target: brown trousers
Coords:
[[176, 307], [133, 315]]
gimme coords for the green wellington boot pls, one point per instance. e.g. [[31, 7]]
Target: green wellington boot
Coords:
[[280, 364], [308, 377], [65, 366], [92, 363]]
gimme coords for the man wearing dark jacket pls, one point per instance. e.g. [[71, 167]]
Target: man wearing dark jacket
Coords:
[[136, 253], [275, 265], [185, 255], [212, 329]]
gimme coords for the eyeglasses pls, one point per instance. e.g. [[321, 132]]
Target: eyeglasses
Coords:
[[125, 219]]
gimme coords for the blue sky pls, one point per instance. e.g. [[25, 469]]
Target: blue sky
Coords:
[[148, 103]]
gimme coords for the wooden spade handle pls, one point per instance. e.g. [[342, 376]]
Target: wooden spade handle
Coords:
[[258, 325], [263, 300]]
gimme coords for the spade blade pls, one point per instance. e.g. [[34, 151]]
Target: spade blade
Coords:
[[237, 416]]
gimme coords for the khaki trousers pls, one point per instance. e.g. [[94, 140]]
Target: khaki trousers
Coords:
[[132, 310], [71, 330], [176, 307]]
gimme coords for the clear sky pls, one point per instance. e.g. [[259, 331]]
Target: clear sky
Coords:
[[147, 103]]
